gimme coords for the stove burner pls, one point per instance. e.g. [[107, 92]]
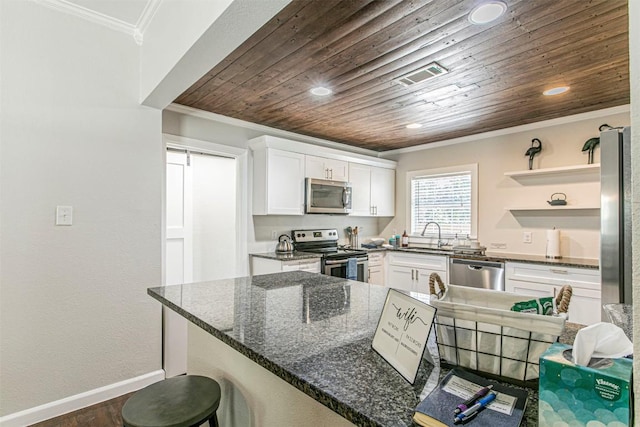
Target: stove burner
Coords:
[[325, 242]]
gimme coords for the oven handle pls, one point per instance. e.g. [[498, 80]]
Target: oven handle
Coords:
[[344, 261]]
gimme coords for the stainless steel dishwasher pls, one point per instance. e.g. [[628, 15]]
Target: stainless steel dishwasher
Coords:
[[476, 274]]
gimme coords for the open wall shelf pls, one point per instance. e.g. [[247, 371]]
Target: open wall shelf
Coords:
[[563, 170]]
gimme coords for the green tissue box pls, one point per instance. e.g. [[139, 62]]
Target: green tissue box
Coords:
[[573, 395]]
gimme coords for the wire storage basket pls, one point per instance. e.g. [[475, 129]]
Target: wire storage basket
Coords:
[[476, 329]]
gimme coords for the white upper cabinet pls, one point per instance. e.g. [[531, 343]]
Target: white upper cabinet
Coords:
[[278, 182], [360, 176], [323, 168], [373, 190], [280, 167], [383, 191]]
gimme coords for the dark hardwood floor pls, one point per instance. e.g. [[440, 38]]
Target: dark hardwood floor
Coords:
[[105, 414]]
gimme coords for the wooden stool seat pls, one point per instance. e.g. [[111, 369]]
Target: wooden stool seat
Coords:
[[183, 401]]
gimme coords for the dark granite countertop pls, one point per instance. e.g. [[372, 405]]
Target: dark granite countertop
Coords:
[[294, 256], [297, 326], [505, 257]]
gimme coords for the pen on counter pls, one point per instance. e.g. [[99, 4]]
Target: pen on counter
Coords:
[[466, 404], [472, 411]]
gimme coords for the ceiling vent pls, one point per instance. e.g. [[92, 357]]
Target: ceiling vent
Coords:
[[419, 76]]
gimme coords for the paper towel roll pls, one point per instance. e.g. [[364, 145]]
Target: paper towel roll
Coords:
[[553, 243]]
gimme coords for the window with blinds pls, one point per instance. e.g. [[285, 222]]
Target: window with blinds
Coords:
[[443, 198]]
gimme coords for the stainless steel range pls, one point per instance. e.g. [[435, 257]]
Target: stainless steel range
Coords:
[[336, 261]]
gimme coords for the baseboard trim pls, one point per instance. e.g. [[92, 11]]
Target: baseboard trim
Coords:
[[79, 401]]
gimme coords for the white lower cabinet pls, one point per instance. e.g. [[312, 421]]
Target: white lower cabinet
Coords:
[[376, 268], [544, 280], [261, 265], [410, 272]]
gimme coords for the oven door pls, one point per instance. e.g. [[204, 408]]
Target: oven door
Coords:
[[338, 268], [327, 197]]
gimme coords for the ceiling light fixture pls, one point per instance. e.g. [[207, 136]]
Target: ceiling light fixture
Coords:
[[487, 12], [556, 90], [414, 126], [321, 91]]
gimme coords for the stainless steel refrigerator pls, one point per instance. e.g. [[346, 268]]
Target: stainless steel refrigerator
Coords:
[[615, 215]]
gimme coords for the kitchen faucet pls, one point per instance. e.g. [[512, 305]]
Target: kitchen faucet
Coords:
[[440, 242]]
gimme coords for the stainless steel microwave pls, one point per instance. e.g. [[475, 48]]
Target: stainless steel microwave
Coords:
[[328, 197]]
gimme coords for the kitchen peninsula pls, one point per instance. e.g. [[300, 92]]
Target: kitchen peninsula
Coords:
[[312, 331]]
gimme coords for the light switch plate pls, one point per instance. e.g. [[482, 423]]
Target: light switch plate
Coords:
[[64, 215], [527, 237]]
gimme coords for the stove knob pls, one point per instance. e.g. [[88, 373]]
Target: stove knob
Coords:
[[303, 235]]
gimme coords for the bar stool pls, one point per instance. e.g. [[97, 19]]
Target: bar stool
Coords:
[[184, 401]]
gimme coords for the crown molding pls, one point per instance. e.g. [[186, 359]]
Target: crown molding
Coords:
[[194, 112], [147, 14], [507, 131], [136, 31]]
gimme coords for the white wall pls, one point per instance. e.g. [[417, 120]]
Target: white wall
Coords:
[[75, 315], [562, 144]]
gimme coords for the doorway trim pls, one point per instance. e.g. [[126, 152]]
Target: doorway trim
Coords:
[[242, 190], [241, 157]]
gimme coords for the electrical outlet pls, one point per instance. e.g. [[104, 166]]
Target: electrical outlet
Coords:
[[526, 237], [274, 234]]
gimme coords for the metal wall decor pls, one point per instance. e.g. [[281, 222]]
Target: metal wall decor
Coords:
[[592, 143], [533, 150]]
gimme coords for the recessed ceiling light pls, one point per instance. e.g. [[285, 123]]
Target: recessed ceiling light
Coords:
[[321, 91], [556, 90], [487, 12], [414, 126]]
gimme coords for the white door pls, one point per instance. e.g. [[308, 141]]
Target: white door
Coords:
[[214, 217], [179, 257], [201, 218]]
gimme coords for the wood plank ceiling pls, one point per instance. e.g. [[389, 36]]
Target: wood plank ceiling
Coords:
[[496, 72]]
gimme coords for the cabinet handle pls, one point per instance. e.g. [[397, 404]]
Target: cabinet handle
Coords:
[[558, 271], [376, 208], [331, 173], [412, 270]]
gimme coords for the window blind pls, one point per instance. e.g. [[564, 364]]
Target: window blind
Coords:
[[445, 199]]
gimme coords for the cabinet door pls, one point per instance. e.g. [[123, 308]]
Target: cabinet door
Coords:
[[315, 168], [360, 178], [401, 278], [376, 275], [585, 306], [285, 183], [265, 266], [323, 168], [529, 289], [338, 169], [422, 284], [310, 266], [383, 190]]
